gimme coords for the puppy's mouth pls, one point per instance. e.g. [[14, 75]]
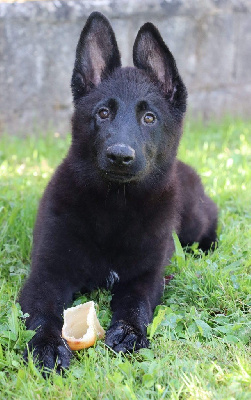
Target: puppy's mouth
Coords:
[[118, 176]]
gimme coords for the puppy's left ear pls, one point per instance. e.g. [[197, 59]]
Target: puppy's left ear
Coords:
[[151, 54], [97, 55]]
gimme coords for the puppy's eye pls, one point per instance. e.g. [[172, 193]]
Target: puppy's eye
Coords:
[[149, 118], [103, 113]]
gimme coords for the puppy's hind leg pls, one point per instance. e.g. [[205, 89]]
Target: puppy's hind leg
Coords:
[[200, 225], [199, 212], [209, 240]]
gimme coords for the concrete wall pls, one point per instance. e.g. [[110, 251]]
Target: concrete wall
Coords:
[[210, 39]]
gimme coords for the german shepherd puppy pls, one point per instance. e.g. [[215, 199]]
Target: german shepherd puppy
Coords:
[[107, 216]]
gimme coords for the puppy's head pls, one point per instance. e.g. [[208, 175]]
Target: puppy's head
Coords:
[[127, 121]]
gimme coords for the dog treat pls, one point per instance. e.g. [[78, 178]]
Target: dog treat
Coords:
[[81, 326]]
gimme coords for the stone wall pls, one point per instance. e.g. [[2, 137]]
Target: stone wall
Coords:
[[210, 39]]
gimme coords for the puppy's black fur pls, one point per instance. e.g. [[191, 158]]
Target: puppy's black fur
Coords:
[[107, 216]]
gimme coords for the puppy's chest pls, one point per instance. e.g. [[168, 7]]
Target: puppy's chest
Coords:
[[117, 230], [118, 244]]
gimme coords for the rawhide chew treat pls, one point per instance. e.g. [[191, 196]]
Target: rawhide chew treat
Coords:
[[81, 326]]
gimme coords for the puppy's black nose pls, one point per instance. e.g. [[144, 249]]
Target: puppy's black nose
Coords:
[[120, 155]]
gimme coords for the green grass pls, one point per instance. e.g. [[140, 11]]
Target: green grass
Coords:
[[201, 331]]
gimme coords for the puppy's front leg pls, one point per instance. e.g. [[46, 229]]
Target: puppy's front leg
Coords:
[[44, 297], [133, 304]]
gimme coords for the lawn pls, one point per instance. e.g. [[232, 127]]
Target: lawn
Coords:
[[201, 332]]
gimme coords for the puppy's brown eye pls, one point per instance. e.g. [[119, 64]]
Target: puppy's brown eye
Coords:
[[103, 113], [149, 118]]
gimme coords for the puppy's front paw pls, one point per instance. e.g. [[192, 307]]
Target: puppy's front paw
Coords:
[[49, 352], [121, 336]]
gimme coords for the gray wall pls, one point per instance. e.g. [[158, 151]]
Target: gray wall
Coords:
[[210, 39]]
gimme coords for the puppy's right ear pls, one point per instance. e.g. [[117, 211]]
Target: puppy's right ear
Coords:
[[97, 55]]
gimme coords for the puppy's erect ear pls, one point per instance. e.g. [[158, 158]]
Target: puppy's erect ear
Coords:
[[97, 55], [151, 54]]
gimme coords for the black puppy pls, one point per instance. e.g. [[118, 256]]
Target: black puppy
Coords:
[[107, 216]]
